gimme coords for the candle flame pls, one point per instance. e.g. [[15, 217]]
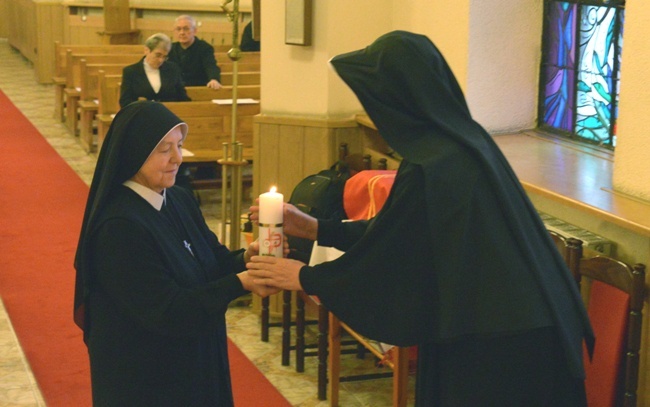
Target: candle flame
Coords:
[[273, 189]]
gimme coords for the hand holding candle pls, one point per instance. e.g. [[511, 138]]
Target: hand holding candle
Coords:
[[270, 222]]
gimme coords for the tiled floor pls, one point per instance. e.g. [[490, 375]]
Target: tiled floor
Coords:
[[17, 385]]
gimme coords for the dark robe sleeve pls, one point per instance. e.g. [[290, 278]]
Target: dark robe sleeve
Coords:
[[341, 235], [126, 88], [382, 286], [209, 63]]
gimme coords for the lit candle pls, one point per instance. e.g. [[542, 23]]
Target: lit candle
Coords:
[[270, 221]]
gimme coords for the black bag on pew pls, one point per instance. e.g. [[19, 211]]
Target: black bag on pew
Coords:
[[321, 196]]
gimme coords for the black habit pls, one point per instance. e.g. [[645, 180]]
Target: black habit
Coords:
[[152, 286], [135, 84], [457, 261], [197, 62]]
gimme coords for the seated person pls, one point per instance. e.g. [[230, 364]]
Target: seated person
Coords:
[[248, 42], [194, 56], [152, 78]]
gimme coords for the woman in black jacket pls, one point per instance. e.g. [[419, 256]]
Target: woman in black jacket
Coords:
[[152, 78]]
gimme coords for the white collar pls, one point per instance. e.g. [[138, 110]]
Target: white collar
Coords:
[[154, 198]]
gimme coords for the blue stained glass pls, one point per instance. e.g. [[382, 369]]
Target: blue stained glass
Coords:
[[596, 55], [581, 61], [559, 73]]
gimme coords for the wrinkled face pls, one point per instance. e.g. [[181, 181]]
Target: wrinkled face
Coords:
[[156, 57], [184, 32], [160, 169]]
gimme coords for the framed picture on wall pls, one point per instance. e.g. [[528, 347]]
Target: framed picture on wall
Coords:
[[297, 24]]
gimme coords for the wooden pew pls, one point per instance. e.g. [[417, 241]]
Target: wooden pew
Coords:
[[242, 67], [203, 93], [89, 98], [209, 123], [72, 91], [210, 126], [108, 103], [243, 78], [60, 65], [248, 62], [246, 58]]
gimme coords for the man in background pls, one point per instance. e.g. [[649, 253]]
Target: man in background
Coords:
[[194, 56]]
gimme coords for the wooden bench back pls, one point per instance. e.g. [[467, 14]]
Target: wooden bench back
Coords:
[[108, 93], [203, 93], [243, 78], [90, 77], [60, 51], [210, 126], [241, 67], [246, 58], [73, 73]]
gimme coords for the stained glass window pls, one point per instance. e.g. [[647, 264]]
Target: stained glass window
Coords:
[[581, 59]]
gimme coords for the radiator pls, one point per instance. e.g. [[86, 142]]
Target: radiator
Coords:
[[590, 240]]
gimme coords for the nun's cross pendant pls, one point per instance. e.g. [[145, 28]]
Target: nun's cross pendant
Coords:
[[188, 247]]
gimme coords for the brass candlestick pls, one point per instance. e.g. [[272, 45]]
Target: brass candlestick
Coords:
[[232, 161]]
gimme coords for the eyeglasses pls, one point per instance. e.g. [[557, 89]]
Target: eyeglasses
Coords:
[[184, 28]]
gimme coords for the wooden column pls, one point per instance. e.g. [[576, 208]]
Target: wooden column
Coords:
[[117, 23]]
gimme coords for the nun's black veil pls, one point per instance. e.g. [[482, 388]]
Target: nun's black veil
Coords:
[[410, 93], [135, 132]]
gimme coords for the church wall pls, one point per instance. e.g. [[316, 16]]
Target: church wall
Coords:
[[631, 163]]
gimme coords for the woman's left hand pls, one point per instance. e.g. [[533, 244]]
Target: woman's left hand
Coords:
[[252, 250], [274, 272]]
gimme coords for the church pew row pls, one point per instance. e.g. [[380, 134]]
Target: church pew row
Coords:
[[60, 65], [249, 61], [72, 91], [89, 98], [209, 123], [75, 82], [210, 127], [101, 109]]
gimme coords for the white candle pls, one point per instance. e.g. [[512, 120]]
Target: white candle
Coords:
[[271, 207], [270, 221]]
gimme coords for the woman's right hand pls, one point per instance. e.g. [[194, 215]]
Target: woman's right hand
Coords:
[[295, 222]]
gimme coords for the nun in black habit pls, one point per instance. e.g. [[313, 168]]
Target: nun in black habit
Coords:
[[457, 261], [153, 282]]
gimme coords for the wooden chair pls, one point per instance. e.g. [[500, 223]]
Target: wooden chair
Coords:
[[615, 297], [399, 363], [356, 162]]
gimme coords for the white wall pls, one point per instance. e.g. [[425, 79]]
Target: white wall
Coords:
[[504, 56], [491, 45], [297, 80], [631, 162]]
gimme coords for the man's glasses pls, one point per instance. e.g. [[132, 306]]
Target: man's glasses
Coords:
[[184, 29]]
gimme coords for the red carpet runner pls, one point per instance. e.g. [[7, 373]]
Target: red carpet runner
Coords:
[[41, 208]]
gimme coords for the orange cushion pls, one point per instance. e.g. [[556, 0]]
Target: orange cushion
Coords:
[[366, 192], [608, 312]]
